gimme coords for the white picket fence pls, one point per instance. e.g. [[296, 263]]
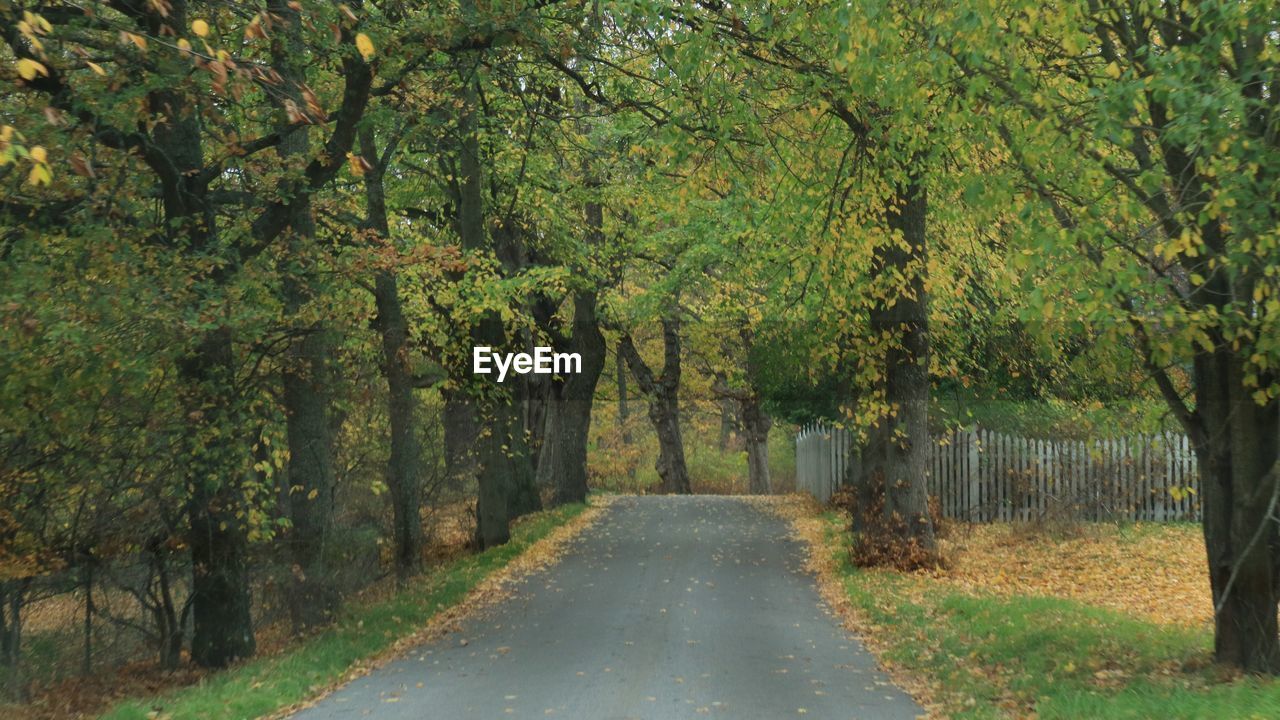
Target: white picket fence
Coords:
[[982, 476]]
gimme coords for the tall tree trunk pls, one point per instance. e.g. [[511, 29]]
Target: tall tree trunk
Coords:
[[306, 379], [664, 406], [214, 443], [494, 466], [1237, 452], [404, 465], [308, 373], [501, 420], [222, 629], [907, 376], [891, 519], [523, 495], [664, 413], [563, 463], [755, 430]]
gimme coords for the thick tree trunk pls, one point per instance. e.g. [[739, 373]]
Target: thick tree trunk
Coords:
[[308, 373], [523, 495], [306, 379], [664, 413], [755, 432], [664, 406], [222, 629], [494, 468], [500, 419], [1237, 453], [404, 464], [891, 519], [563, 463], [907, 377], [214, 443]]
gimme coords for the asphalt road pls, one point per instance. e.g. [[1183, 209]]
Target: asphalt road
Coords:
[[668, 607]]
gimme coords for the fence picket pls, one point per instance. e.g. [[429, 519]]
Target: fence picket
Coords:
[[982, 476]]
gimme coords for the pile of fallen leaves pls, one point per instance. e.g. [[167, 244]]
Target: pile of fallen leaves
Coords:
[[1154, 571], [1157, 571]]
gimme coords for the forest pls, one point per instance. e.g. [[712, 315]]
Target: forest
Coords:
[[247, 250]]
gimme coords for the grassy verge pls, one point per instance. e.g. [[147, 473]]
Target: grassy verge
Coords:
[[262, 686], [1043, 657]]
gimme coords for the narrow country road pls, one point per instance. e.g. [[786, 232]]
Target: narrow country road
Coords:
[[668, 607]]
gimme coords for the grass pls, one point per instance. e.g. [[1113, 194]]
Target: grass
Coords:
[[1044, 657], [264, 685]]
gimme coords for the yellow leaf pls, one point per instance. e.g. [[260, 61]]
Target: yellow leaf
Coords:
[[200, 28], [365, 46], [28, 69], [39, 175]]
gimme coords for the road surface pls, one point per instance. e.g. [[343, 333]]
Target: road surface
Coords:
[[667, 607]]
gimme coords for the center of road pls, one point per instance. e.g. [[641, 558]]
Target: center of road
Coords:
[[667, 607]]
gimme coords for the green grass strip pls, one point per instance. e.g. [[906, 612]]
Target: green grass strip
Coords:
[[999, 657], [267, 684]]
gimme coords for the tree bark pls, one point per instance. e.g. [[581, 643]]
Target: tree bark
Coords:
[[306, 380], [404, 464], [907, 375], [563, 462], [664, 406], [213, 443], [1237, 453], [891, 520], [504, 473], [523, 496], [755, 431], [308, 373], [222, 629], [494, 467]]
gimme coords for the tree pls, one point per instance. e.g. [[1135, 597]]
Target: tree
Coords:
[[663, 393], [1139, 137]]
